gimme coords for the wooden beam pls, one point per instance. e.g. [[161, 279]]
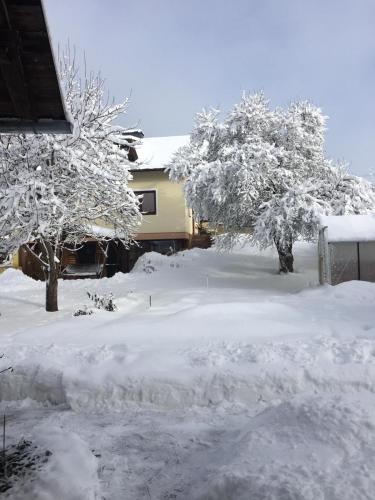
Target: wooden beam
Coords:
[[30, 95], [11, 68], [35, 126]]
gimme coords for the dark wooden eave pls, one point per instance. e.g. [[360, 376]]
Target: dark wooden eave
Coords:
[[30, 95], [154, 169]]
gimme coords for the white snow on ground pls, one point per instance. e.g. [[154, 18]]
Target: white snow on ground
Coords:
[[236, 383], [71, 471]]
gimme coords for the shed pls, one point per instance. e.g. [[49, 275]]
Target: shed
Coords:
[[346, 248]]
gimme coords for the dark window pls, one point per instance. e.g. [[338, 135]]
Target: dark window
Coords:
[[132, 154], [147, 202], [86, 253]]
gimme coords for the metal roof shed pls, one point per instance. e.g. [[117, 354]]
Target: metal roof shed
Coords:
[[346, 248], [30, 96]]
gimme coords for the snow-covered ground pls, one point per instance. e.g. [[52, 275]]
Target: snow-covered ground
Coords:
[[237, 383]]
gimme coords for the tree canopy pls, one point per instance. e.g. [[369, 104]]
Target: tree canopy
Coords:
[[266, 171], [55, 189]]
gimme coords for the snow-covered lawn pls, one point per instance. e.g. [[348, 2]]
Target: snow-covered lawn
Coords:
[[236, 384]]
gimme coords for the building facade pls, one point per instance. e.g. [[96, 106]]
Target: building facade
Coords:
[[167, 226]]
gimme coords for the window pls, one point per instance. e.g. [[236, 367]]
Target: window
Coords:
[[147, 202]]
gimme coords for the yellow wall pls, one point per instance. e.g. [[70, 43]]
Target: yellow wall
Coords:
[[172, 215], [14, 262]]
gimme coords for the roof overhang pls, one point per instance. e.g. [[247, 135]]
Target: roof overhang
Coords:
[[134, 170], [30, 94]]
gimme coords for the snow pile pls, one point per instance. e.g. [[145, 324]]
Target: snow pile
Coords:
[[311, 449], [150, 262], [14, 279], [69, 474]]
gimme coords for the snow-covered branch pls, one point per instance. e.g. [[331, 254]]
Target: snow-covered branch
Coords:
[[265, 171], [54, 188]]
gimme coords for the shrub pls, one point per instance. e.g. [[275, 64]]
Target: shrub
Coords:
[[103, 301]]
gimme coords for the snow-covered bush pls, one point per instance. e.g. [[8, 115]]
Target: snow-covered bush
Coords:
[[83, 311], [105, 302], [54, 188], [21, 462], [265, 171]]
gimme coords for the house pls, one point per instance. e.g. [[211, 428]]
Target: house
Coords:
[[168, 224]]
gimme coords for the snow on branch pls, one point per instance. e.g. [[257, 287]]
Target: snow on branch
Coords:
[[265, 172], [54, 189]]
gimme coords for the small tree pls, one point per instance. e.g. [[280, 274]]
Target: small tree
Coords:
[[265, 171], [54, 188]]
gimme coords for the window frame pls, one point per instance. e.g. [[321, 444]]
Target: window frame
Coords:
[[139, 192]]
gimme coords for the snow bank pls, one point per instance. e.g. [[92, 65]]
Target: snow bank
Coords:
[[69, 474], [14, 279], [112, 377], [150, 262]]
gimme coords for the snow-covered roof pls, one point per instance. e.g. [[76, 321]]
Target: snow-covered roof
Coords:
[[157, 152], [103, 232], [349, 227]]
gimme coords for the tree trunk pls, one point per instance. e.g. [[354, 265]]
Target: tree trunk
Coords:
[[52, 275], [51, 290], [286, 258]]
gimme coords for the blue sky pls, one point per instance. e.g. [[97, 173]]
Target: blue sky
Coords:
[[176, 56]]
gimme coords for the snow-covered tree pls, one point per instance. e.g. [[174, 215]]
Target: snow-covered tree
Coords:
[[55, 188], [265, 170], [295, 213]]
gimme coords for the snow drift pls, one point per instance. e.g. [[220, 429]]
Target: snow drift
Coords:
[[236, 383]]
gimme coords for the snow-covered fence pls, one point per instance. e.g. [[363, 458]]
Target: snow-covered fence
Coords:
[[346, 248]]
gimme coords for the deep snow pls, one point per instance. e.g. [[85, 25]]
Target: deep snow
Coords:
[[237, 383]]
